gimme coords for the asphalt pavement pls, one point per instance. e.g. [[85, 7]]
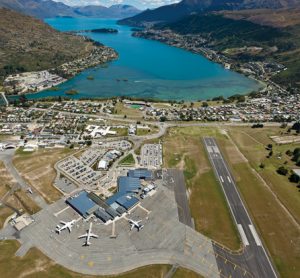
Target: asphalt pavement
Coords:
[[254, 259]]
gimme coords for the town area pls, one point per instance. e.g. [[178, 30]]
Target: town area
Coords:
[[83, 179]]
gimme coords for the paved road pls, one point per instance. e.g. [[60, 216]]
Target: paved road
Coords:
[[254, 258]]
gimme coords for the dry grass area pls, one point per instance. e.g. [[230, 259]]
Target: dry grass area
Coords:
[[278, 232], [36, 264], [253, 143], [185, 273], [122, 109], [183, 149], [274, 18], [38, 170], [18, 201]]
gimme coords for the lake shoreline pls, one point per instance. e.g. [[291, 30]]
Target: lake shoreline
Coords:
[[152, 70], [139, 34]]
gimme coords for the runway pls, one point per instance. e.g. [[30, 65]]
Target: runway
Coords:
[[254, 259]]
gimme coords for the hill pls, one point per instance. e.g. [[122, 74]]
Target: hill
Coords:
[[174, 12], [28, 44], [49, 8]]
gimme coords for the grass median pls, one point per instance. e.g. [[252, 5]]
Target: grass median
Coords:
[[277, 230], [183, 149]]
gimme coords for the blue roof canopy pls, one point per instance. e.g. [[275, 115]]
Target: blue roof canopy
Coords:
[[126, 186], [82, 203]]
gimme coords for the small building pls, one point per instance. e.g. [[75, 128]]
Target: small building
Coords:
[[102, 165], [82, 204]]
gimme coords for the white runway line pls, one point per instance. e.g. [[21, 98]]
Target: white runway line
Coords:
[[255, 235], [221, 179], [243, 235], [229, 179]]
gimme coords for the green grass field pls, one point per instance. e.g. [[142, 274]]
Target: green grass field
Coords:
[[127, 160]]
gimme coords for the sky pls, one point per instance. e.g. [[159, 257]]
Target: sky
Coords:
[[141, 4]]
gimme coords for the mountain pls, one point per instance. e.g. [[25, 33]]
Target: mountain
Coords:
[[38, 8], [186, 7], [114, 11], [49, 8], [28, 44]]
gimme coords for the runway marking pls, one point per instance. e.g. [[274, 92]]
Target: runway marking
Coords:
[[59, 212], [255, 235], [229, 179], [221, 179], [91, 264], [243, 235], [140, 206]]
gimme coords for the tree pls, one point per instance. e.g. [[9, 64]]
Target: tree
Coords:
[[282, 171], [262, 165], [289, 153], [89, 143], [205, 104], [283, 125], [296, 126], [294, 178], [270, 146]]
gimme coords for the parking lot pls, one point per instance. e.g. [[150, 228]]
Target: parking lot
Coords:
[[121, 145], [151, 156], [78, 172]]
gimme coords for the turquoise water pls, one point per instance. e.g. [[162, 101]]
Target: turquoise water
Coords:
[[152, 69]]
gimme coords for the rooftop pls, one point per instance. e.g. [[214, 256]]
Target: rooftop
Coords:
[[82, 204]]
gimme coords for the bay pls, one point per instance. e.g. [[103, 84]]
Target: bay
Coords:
[[147, 69]]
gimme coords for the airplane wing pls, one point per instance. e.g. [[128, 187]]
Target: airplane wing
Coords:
[[63, 222], [139, 221], [70, 228], [93, 235], [82, 236], [132, 226]]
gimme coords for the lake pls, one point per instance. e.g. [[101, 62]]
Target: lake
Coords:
[[147, 69]]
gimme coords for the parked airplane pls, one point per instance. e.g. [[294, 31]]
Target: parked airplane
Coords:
[[135, 224], [88, 235], [66, 225]]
